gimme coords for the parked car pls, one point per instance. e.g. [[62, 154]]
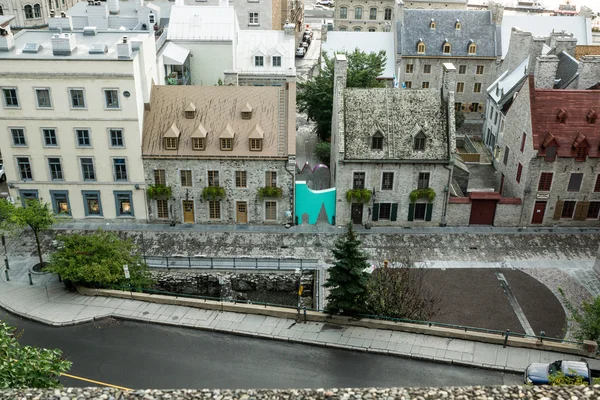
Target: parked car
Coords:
[[309, 32], [305, 45], [306, 38], [328, 3], [539, 373], [300, 51], [2, 174]]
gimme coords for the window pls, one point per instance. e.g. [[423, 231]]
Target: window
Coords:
[[276, 61], [561, 116], [427, 68], [425, 85], [186, 178], [270, 210], [421, 47], [519, 172], [460, 87], [123, 204], [597, 185], [479, 70], [253, 18], [420, 211], [18, 136], [550, 153], [111, 97], [240, 179], [37, 11], [373, 13], [423, 182], [474, 107], [116, 137], [28, 12], [387, 14], [385, 210], [419, 142], [259, 61], [457, 106], [506, 151], [496, 114], [581, 153], [432, 24], [377, 141], [77, 99], [358, 13], [43, 98], [447, 48], [372, 30], [462, 69], [568, 208], [198, 143], [87, 169], [523, 139], [545, 181], [409, 68], [593, 210], [50, 138], [343, 12], [591, 116], [83, 137], [255, 144], [575, 182], [477, 88], [27, 196], [91, 202], [151, 18], [162, 208], [271, 179], [56, 173], [213, 178], [60, 202], [10, 97], [24, 168], [457, 25], [408, 84], [214, 209], [170, 143], [472, 48], [357, 29], [159, 177], [120, 169], [227, 144], [387, 181], [358, 180]]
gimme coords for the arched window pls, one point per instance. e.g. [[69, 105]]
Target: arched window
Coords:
[[432, 24], [358, 13], [343, 29], [457, 25], [419, 143], [343, 12], [372, 29], [447, 48], [372, 13], [28, 12], [421, 47], [357, 29], [388, 14], [472, 48], [37, 11]]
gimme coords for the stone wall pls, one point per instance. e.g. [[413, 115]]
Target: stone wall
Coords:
[[458, 214], [507, 214], [275, 288]]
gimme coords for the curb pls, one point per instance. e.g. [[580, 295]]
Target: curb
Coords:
[[256, 335]]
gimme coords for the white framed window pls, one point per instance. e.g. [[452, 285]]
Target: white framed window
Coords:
[[253, 18], [55, 169], [276, 61], [11, 99], [50, 137], [111, 99], [259, 61], [88, 172], [42, 97], [120, 169], [116, 137], [18, 137], [83, 137]]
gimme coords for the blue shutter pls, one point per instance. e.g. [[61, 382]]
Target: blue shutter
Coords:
[[428, 212], [394, 215], [411, 211], [375, 212]]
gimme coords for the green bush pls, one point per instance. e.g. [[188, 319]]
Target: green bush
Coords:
[[213, 193], [429, 193], [586, 318], [358, 195], [323, 152], [560, 379], [158, 191], [270, 192]]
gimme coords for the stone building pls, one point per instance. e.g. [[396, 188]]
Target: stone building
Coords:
[[34, 13], [227, 153], [469, 39], [392, 152], [364, 15], [436, 4]]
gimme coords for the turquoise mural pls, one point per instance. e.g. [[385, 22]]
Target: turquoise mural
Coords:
[[313, 205]]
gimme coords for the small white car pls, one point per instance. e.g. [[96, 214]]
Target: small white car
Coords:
[[300, 51]]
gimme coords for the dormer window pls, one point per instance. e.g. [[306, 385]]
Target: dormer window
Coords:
[[259, 61], [591, 117], [457, 25], [199, 138], [447, 48], [256, 144], [472, 48], [190, 111], [432, 24], [421, 47], [247, 111], [581, 153], [226, 144], [377, 141], [226, 138], [419, 142], [171, 143], [171, 138], [561, 116], [255, 137]]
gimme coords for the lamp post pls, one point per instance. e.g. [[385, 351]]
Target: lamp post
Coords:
[[5, 252]]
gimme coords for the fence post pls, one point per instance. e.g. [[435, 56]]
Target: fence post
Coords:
[[506, 338], [6, 273], [233, 262], [304, 314], [279, 263], [300, 263], [30, 280], [167, 262], [190, 262], [6, 262], [211, 263], [256, 263]]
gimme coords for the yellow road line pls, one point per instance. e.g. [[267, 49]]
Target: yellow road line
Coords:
[[96, 382]]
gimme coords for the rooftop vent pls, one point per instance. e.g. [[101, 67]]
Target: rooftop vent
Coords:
[[89, 31], [98, 48], [32, 47], [63, 44], [124, 48]]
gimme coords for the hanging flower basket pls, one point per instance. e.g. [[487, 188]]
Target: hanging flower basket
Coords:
[[213, 193], [358, 195], [428, 193], [158, 192]]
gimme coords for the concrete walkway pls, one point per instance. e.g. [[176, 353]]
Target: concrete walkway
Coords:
[[47, 301]]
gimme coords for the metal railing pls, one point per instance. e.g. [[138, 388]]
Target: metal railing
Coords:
[[200, 262]]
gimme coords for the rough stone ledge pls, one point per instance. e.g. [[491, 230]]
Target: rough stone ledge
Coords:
[[472, 392]]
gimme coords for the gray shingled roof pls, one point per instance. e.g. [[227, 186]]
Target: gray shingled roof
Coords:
[[567, 69], [475, 25]]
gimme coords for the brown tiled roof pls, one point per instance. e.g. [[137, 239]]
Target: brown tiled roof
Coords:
[[583, 50], [546, 126], [218, 109]]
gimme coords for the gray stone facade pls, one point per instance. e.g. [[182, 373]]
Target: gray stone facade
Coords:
[[255, 178], [364, 15]]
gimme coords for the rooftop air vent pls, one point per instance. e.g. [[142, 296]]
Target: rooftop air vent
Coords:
[[89, 31], [32, 47], [98, 48]]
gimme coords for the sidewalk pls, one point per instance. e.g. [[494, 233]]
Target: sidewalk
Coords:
[[47, 301]]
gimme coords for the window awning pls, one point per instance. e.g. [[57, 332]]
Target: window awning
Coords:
[[175, 54]]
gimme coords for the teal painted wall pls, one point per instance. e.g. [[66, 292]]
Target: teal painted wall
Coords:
[[311, 201]]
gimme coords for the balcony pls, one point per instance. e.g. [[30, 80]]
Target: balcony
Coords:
[[178, 78]]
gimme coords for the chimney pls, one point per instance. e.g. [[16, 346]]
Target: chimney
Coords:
[[448, 82], [289, 29], [124, 48], [535, 50], [231, 78], [64, 23], [113, 7], [545, 71], [497, 12], [564, 43], [7, 39], [97, 15], [63, 44], [518, 49], [588, 71]]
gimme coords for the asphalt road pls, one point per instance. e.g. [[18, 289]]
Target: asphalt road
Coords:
[[136, 355]]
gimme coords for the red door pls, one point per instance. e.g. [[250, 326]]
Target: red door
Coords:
[[538, 212], [482, 212]]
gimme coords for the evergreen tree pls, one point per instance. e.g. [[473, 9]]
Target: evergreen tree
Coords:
[[347, 281]]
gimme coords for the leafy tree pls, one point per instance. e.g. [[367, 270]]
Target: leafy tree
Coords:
[[315, 96], [97, 260], [38, 216], [347, 281], [7, 211], [586, 318], [323, 152], [459, 119], [400, 291], [27, 366]]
